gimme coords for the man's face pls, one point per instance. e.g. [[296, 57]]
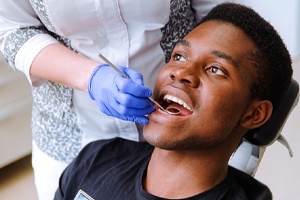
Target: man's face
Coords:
[[210, 73]]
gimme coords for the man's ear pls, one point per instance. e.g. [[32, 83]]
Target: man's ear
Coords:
[[257, 114]]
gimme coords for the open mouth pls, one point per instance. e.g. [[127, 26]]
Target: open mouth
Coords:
[[174, 104]]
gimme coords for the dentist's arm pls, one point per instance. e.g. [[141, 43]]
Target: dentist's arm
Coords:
[[115, 95]]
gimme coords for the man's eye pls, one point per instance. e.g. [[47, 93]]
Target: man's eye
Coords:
[[178, 57], [216, 70]]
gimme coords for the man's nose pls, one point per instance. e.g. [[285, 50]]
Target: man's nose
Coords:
[[186, 76]]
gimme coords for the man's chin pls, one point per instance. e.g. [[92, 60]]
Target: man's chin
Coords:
[[152, 136], [159, 140]]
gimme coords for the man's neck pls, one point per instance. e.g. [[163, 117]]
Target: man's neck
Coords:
[[180, 175]]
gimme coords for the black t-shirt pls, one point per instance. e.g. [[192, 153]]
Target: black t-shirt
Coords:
[[113, 169]]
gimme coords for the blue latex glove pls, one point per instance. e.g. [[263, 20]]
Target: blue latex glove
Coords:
[[119, 97]]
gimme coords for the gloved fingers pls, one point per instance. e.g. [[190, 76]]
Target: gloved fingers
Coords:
[[133, 75], [136, 119], [134, 111], [130, 87], [129, 106], [131, 101], [142, 119], [119, 97], [137, 89], [127, 100]]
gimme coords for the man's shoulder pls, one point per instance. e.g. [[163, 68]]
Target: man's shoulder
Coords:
[[250, 187], [105, 163]]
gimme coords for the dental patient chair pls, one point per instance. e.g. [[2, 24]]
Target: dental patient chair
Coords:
[[247, 157]]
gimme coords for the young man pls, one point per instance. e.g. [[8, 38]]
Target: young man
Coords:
[[225, 77]]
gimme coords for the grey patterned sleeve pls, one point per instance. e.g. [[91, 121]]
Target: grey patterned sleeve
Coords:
[[181, 22], [16, 39]]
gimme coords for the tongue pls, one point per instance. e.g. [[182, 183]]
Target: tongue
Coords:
[[176, 106]]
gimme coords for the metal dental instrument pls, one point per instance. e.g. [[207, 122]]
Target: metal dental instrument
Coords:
[[125, 76]]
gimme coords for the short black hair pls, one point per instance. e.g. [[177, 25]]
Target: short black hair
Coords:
[[272, 61]]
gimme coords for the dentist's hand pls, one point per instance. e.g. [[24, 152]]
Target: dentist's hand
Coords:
[[119, 97]]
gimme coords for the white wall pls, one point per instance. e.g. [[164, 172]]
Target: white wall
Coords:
[[284, 15], [277, 170]]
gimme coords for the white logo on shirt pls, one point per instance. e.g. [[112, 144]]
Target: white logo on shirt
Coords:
[[81, 195]]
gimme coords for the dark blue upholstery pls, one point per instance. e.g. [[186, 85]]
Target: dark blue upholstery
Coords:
[[264, 136]]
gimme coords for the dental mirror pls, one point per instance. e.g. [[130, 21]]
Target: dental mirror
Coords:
[[173, 112]]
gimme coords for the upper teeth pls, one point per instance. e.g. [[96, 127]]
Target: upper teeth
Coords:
[[177, 100]]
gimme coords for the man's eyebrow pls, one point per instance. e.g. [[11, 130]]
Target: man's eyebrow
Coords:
[[226, 57], [215, 52], [184, 43]]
